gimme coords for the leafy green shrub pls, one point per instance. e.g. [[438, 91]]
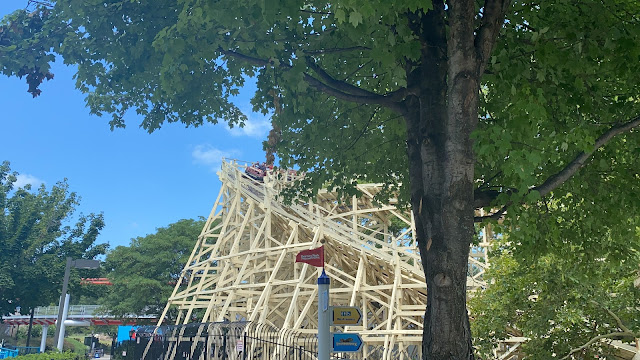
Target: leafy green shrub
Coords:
[[36, 331], [76, 346], [51, 356]]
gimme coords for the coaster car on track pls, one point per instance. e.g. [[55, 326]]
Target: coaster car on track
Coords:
[[257, 171]]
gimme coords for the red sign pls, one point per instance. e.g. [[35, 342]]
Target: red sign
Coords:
[[314, 257]]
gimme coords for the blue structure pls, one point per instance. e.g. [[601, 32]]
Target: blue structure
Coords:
[[124, 333], [7, 353], [19, 350]]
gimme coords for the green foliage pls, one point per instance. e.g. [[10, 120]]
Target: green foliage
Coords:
[[157, 70], [556, 82], [67, 355], [35, 239], [560, 296], [78, 347], [562, 74], [145, 273], [577, 253], [36, 332], [29, 52]]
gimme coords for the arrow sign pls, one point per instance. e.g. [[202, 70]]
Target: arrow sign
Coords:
[[345, 315], [346, 342]]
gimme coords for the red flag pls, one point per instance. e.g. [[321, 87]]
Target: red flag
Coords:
[[314, 257]]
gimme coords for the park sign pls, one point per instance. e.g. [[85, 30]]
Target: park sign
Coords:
[[346, 342], [345, 315]]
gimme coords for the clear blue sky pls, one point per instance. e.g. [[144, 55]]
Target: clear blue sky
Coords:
[[139, 181]]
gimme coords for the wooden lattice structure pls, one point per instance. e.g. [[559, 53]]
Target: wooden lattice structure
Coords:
[[243, 268]]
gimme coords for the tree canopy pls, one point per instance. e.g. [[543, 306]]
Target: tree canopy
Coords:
[[145, 273], [36, 237], [571, 293], [456, 105], [560, 307]]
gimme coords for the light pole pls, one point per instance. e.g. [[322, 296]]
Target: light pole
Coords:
[[78, 264]]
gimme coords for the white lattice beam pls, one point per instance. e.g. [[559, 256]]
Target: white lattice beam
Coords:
[[243, 264]]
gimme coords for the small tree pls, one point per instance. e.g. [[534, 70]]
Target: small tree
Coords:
[[145, 273], [35, 239]]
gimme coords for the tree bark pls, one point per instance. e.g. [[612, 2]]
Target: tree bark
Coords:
[[440, 119]]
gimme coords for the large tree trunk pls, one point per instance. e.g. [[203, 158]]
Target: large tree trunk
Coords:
[[442, 203], [440, 120]]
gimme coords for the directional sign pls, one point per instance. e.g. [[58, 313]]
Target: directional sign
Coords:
[[345, 315], [346, 342]]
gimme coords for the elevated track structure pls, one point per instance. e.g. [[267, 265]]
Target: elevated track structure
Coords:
[[78, 315], [243, 267]]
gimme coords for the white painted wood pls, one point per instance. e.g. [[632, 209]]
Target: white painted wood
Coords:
[[243, 263]]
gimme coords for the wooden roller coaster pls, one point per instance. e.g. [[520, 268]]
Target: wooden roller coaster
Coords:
[[243, 268]]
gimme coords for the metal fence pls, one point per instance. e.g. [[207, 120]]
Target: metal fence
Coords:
[[217, 341], [13, 351], [7, 353], [73, 310], [26, 350]]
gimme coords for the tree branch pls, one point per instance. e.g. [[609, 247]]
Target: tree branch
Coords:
[[246, 58], [42, 3], [316, 12], [484, 198], [360, 67], [624, 333], [486, 35], [599, 337], [394, 96], [336, 50], [359, 99], [332, 86], [348, 92], [621, 326], [495, 216], [364, 129], [576, 164], [337, 84]]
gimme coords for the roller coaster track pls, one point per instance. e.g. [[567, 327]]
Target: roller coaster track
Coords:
[[243, 268]]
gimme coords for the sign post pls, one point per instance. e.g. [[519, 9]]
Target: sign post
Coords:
[[315, 257], [324, 333]]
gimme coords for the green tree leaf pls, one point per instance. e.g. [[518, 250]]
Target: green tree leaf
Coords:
[[355, 18], [36, 236], [145, 273]]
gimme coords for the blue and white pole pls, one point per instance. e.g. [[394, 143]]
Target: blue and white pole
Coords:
[[324, 334]]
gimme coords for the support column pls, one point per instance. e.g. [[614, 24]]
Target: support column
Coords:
[[324, 334], [65, 284], [60, 325], [43, 341]]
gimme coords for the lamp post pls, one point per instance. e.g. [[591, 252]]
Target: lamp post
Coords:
[[78, 264]]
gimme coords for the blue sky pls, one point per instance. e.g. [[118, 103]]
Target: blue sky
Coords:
[[139, 181]]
